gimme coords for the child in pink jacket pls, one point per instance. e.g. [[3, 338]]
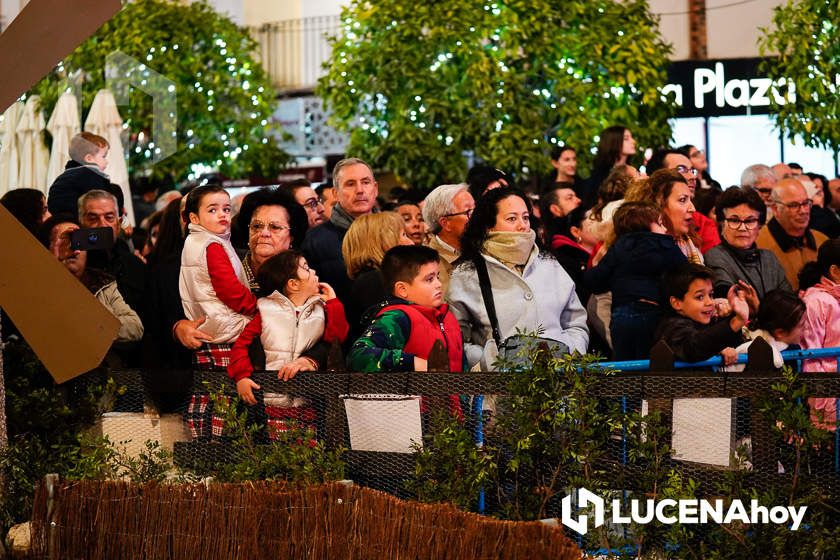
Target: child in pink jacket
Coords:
[[822, 322]]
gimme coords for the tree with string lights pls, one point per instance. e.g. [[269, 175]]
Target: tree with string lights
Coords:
[[805, 36], [224, 97], [419, 85]]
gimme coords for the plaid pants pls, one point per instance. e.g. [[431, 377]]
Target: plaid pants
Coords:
[[200, 418]]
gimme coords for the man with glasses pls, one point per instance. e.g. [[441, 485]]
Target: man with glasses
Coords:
[[672, 159], [446, 211], [787, 235], [305, 195]]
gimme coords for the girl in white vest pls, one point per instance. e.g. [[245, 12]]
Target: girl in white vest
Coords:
[[212, 281], [296, 312]]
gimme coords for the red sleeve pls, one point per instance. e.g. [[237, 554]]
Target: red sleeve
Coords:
[[240, 363], [227, 286], [706, 227], [337, 327]]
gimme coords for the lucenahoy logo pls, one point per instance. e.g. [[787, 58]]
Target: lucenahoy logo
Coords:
[[669, 511]]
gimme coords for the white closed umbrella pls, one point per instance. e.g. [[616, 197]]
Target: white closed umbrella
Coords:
[[104, 119], [63, 125], [9, 148], [33, 155]]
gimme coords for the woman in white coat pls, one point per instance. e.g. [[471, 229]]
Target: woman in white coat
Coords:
[[531, 291]]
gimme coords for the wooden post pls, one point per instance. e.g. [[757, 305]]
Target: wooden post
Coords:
[[697, 36], [662, 360], [764, 456], [334, 422], [50, 482]]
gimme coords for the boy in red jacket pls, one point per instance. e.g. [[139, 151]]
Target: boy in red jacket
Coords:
[[403, 332]]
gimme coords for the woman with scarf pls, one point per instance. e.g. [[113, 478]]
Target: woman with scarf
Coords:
[[529, 290]]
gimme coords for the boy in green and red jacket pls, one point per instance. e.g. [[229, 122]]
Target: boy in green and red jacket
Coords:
[[404, 330]]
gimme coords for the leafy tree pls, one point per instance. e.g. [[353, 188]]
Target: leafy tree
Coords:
[[224, 98], [806, 36], [418, 84]]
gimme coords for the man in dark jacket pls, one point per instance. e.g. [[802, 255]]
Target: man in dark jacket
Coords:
[[356, 190], [99, 208]]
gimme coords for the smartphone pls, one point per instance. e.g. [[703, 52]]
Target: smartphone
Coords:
[[90, 239]]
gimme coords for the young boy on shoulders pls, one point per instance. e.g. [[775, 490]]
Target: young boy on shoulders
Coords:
[[405, 329], [694, 330]]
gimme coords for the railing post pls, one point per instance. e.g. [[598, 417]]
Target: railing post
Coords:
[[333, 410]]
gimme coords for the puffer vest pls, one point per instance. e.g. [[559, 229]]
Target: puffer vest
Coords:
[[288, 331], [429, 325], [197, 294]]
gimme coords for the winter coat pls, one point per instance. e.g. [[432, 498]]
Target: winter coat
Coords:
[[633, 267], [403, 330], [448, 255], [322, 249], [288, 331], [757, 267], [104, 288], [76, 180], [695, 342], [197, 294], [792, 257], [542, 298], [821, 329]]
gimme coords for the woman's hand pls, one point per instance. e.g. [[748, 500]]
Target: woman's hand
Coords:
[[739, 307], [750, 295], [289, 370], [722, 307], [245, 387], [188, 333], [325, 291]]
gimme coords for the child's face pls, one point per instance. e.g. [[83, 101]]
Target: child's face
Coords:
[[425, 289], [698, 304], [308, 279], [213, 213], [98, 158]]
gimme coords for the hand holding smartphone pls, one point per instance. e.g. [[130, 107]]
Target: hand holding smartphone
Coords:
[[90, 239]]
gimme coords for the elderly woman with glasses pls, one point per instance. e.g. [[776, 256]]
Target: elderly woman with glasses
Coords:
[[742, 213]]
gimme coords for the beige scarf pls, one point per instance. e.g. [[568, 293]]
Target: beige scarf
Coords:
[[511, 248]]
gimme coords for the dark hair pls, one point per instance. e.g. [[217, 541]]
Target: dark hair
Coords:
[[298, 220], [45, 229], [403, 262], [292, 186], [557, 151], [479, 176], [779, 309], [795, 166], [613, 188], [633, 217], [564, 225], [483, 218], [676, 281], [170, 241], [553, 224], [824, 180], [705, 200], [827, 255], [657, 159], [609, 149], [195, 197], [735, 196], [277, 270], [27, 206]]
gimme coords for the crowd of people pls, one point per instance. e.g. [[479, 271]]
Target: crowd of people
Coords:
[[613, 263]]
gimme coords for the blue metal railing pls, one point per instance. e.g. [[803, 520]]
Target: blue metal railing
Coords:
[[787, 355]]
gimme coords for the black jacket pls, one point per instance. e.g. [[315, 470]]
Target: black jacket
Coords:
[[75, 181], [129, 271], [322, 249], [694, 342], [632, 268]]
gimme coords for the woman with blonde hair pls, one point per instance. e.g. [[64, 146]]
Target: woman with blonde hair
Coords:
[[364, 245]]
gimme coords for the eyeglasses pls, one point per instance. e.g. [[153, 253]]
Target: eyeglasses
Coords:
[[467, 213], [736, 223], [273, 228], [683, 170], [794, 206], [312, 203]]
